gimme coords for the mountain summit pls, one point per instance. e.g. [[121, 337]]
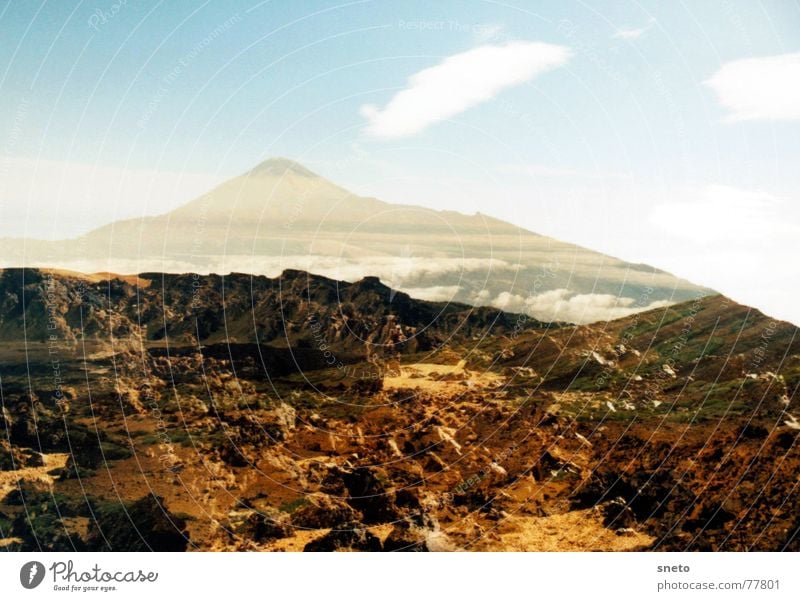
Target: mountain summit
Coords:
[[280, 166], [280, 215]]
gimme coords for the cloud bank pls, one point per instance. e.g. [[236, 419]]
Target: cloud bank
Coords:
[[563, 305], [433, 293], [460, 82]]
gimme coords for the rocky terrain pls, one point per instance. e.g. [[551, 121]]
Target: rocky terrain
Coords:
[[186, 412]]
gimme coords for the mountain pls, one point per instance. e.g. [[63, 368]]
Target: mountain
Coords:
[[280, 215]]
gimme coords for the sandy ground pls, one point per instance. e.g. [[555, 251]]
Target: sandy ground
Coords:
[[437, 377], [301, 538], [8, 480], [101, 276], [572, 531]]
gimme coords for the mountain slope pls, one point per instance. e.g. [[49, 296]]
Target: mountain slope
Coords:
[[280, 215], [706, 357]]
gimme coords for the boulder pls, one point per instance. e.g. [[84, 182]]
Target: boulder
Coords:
[[350, 536], [323, 511], [264, 525], [370, 492], [144, 525]]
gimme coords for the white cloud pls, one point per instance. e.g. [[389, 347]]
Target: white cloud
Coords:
[[634, 33], [433, 293], [562, 305], [386, 267], [766, 88], [337, 268], [460, 82], [481, 298], [725, 213], [396, 272]]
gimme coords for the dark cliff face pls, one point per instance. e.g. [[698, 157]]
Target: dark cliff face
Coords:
[[294, 309]]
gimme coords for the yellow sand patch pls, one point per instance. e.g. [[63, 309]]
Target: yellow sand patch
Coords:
[[581, 530], [9, 480], [101, 276], [440, 377]]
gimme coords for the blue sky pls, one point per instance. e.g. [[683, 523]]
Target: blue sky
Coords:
[[604, 146]]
